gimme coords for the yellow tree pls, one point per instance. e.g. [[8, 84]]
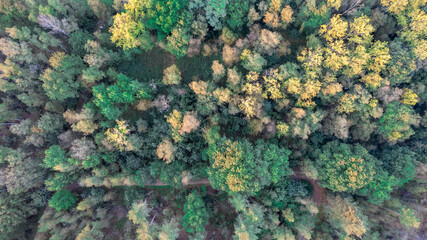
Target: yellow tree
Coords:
[[175, 121], [345, 217], [118, 136]]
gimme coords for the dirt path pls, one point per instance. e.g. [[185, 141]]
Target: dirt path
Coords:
[[319, 195]]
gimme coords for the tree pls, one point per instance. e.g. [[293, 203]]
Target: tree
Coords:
[[50, 123], [169, 230], [138, 215], [62, 200], [23, 128], [11, 156], [252, 61], [92, 231], [215, 11], [343, 167], [166, 15], [249, 222], [175, 121], [408, 218], [399, 162], [218, 70], [55, 25], [346, 217], [178, 41], [124, 91], [130, 28], [269, 41], [189, 123], [81, 149], [119, 136], [23, 177], [395, 124], [196, 215], [14, 212], [59, 82], [55, 157], [239, 167], [237, 12], [171, 75], [166, 150]]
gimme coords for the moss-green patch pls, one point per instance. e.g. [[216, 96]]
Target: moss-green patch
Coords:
[[196, 66], [147, 65], [120, 224], [150, 65]]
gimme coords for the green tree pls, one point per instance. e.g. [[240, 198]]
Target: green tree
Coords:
[[54, 156], [196, 215], [169, 230], [165, 14], [62, 200], [239, 167], [130, 28], [395, 124], [124, 91], [249, 223], [92, 231], [399, 162], [11, 156], [343, 167], [59, 82], [138, 215], [50, 123], [237, 12], [408, 218], [14, 211]]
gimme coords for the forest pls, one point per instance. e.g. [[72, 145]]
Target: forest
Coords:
[[213, 119]]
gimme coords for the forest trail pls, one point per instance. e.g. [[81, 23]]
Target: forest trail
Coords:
[[319, 195]]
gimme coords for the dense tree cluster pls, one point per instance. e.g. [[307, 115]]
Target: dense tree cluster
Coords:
[[213, 119]]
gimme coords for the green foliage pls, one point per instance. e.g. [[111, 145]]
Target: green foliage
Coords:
[[408, 218], [344, 167], [125, 91], [177, 42], [196, 215], [395, 124], [239, 167], [237, 12], [169, 230], [59, 181], [130, 27], [14, 212], [54, 156], [23, 177], [50, 123], [11, 156], [400, 163], [380, 188], [60, 81], [191, 93], [78, 39], [215, 11], [62, 200], [163, 15]]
